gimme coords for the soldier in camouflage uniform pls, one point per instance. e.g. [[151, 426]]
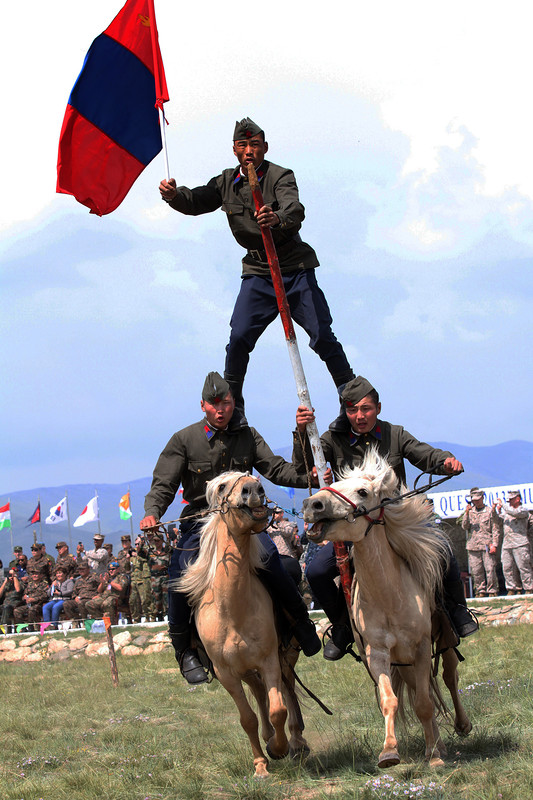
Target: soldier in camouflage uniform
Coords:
[[39, 563], [158, 556], [483, 530], [65, 560], [34, 598], [11, 592], [516, 553], [284, 534], [85, 588], [112, 590], [125, 553], [139, 592]]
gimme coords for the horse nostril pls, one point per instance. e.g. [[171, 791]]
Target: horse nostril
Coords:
[[317, 505]]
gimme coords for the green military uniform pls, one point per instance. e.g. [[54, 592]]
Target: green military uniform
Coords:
[[158, 563], [40, 564], [33, 611], [140, 592], [199, 453], [84, 589], [10, 597], [107, 602], [344, 449], [68, 563]]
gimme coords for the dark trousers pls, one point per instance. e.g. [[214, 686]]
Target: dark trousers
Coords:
[[281, 587], [323, 570], [256, 307]]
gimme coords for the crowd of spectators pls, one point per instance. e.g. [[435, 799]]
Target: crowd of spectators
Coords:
[[86, 585], [498, 539]]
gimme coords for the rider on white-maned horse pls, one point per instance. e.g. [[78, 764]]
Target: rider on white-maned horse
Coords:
[[345, 444]]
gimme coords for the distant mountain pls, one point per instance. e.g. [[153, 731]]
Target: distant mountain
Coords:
[[502, 464]]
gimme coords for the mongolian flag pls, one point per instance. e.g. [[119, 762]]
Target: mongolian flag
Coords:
[[111, 128], [36, 516]]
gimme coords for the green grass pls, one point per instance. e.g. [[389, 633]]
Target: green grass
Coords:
[[67, 734]]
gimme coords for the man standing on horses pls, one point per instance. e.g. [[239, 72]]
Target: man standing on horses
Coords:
[[256, 306], [193, 456], [345, 443]]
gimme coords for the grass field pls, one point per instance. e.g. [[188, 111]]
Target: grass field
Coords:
[[67, 734]]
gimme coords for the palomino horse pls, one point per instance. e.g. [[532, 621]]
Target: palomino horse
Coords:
[[398, 562], [235, 617]]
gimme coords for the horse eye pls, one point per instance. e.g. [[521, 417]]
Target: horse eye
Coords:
[[221, 488], [362, 493]]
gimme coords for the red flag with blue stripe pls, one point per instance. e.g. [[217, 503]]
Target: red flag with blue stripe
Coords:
[[111, 128]]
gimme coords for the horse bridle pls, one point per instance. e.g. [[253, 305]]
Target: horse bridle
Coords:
[[360, 511]]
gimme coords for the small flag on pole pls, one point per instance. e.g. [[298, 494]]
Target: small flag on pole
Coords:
[[58, 513], [124, 506], [5, 517], [36, 516], [111, 127], [89, 513]]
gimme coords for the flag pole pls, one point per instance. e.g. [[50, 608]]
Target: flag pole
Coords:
[[162, 124], [10, 525], [131, 516], [97, 508], [157, 80], [341, 553], [40, 516], [68, 520]]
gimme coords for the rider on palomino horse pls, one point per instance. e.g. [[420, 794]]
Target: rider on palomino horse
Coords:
[[349, 437], [218, 443]]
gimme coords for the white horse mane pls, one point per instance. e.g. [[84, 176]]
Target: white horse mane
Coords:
[[408, 526], [199, 575]]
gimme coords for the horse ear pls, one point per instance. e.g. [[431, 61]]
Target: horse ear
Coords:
[[385, 482]]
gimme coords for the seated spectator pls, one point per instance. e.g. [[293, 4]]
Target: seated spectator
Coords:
[[16, 551], [36, 594], [60, 590], [85, 588], [112, 590], [20, 565], [11, 592]]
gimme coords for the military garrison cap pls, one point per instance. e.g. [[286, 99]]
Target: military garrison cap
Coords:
[[17, 549], [215, 388], [246, 128], [355, 390]]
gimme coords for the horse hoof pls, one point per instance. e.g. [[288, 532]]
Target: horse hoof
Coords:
[[272, 755], [388, 760], [436, 762], [464, 730], [299, 754]]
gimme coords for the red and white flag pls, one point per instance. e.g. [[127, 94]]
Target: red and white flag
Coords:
[[89, 513]]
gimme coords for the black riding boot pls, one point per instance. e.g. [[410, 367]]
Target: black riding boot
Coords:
[[191, 667], [454, 599], [341, 637]]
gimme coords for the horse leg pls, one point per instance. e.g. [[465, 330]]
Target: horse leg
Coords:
[[298, 747], [462, 724], [278, 745], [423, 703], [379, 667], [258, 690], [248, 720]]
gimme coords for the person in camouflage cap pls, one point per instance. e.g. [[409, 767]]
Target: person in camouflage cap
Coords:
[[36, 594], [11, 592], [256, 305], [158, 557], [112, 591], [85, 588]]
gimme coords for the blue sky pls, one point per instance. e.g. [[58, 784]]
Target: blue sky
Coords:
[[409, 129]]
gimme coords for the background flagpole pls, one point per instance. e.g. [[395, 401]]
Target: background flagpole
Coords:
[[131, 515], [40, 517], [162, 125], [68, 520], [10, 524], [98, 512]]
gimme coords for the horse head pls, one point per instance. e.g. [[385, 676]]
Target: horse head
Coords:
[[241, 496], [340, 512]]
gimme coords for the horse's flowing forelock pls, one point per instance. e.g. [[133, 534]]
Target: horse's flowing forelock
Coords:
[[199, 576], [408, 525]]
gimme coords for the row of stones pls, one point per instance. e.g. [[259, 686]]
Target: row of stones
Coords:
[[37, 648]]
